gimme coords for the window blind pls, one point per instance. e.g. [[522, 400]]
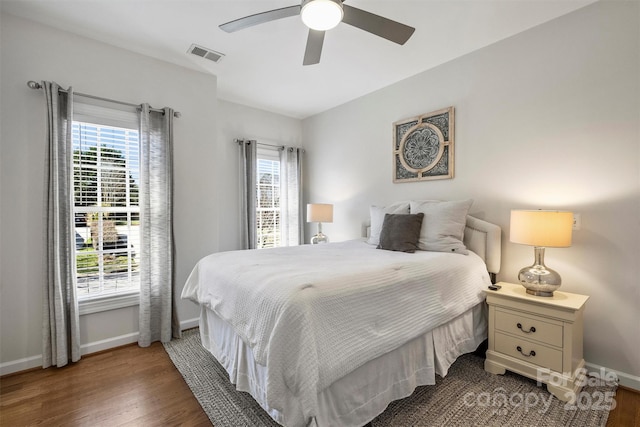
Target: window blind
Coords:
[[106, 208], [268, 197]]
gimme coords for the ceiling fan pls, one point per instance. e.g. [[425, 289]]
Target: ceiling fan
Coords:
[[322, 15]]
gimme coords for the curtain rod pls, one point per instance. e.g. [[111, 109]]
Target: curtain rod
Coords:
[[240, 141], [279, 147], [36, 85]]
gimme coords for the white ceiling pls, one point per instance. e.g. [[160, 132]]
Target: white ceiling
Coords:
[[263, 64]]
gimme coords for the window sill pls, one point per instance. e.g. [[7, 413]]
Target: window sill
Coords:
[[111, 302]]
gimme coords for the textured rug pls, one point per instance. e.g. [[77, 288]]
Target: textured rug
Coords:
[[467, 396]]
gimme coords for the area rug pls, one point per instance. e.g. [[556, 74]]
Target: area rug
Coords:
[[467, 396]]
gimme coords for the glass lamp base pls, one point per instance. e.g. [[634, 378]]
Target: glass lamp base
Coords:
[[539, 280], [319, 238]]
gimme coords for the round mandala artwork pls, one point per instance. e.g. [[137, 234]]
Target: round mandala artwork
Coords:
[[421, 148]]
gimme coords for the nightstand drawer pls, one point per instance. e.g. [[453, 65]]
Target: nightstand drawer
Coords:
[[529, 327], [537, 354]]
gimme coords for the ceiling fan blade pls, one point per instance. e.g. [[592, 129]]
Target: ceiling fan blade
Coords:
[[314, 47], [378, 25], [260, 18]]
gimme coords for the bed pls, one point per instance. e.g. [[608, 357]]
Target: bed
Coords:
[[329, 335]]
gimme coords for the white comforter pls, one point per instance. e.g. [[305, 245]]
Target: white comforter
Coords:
[[314, 313]]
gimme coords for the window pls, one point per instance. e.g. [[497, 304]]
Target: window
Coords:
[[105, 203], [268, 199], [271, 211]]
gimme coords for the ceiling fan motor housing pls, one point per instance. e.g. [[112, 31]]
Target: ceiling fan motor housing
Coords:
[[321, 15]]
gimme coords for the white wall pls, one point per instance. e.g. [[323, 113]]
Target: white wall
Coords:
[[546, 119], [34, 52]]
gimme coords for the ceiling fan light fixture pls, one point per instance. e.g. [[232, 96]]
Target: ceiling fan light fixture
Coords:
[[321, 15]]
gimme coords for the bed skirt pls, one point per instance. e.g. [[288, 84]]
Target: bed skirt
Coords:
[[357, 398]]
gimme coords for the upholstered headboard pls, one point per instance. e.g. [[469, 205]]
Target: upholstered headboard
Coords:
[[484, 239], [481, 237]]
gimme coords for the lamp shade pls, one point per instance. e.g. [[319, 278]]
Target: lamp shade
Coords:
[[321, 15], [541, 228], [319, 212]]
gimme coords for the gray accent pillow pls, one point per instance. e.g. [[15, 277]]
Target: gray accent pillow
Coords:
[[401, 232], [377, 218]]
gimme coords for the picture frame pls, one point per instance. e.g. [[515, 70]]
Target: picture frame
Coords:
[[423, 147]]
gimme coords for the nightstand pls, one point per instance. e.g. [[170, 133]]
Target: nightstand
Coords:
[[538, 337]]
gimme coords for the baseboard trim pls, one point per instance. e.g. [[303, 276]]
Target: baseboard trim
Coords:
[[119, 341], [19, 365], [624, 379], [190, 323], [32, 362]]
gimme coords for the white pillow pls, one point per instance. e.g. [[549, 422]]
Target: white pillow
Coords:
[[377, 218], [443, 225]]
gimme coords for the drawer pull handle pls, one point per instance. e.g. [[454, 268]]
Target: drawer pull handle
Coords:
[[531, 353], [531, 329]]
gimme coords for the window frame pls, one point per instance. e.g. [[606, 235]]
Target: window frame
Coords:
[[271, 154], [109, 114]]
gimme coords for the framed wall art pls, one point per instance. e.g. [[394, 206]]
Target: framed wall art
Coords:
[[423, 147]]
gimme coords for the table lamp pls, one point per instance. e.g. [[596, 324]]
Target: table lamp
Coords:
[[541, 229], [319, 212]]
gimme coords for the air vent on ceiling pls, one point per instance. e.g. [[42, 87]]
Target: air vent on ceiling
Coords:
[[203, 52]]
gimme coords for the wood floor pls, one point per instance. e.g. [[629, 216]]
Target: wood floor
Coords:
[[133, 386], [127, 386], [627, 410]]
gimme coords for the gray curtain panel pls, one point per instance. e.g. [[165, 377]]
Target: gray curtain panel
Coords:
[[158, 315], [61, 330], [248, 165], [291, 196]]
